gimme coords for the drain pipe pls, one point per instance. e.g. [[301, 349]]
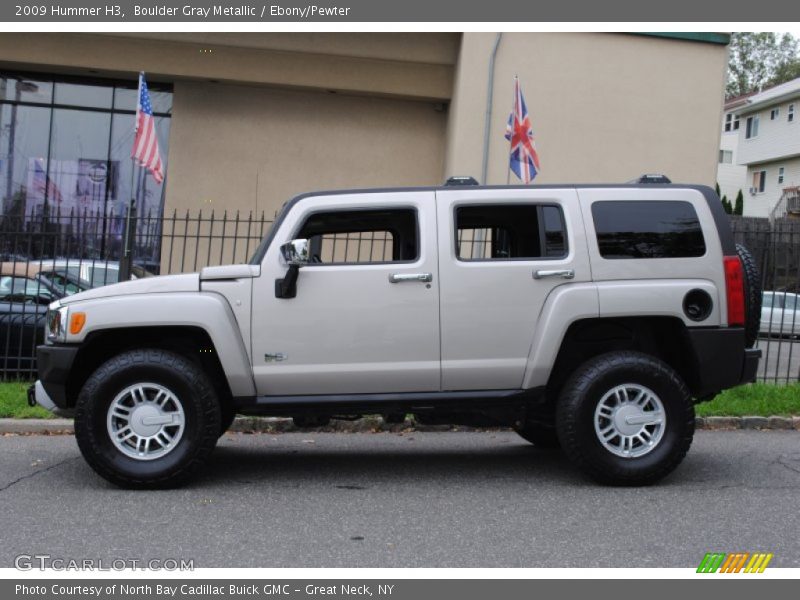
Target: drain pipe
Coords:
[[488, 117]]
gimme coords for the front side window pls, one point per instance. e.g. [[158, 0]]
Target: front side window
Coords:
[[726, 157], [774, 114], [660, 229], [790, 113], [510, 231], [780, 175], [362, 236]]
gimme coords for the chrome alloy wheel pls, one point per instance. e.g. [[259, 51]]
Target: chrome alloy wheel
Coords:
[[629, 420], [145, 421]]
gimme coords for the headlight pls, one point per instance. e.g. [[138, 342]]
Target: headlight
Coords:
[[57, 317]]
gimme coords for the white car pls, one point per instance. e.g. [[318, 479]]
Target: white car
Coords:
[[780, 314]]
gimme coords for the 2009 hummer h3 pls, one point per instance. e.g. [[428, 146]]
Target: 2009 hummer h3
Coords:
[[590, 317]]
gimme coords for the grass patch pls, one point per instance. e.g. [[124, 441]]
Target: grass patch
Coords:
[[756, 400], [14, 402]]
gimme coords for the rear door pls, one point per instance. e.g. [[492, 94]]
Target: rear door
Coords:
[[501, 254]]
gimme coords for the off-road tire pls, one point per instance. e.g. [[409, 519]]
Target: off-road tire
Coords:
[[198, 401], [752, 295], [539, 435], [575, 414]]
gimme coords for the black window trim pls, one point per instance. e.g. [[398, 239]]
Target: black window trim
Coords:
[[538, 204], [369, 208]]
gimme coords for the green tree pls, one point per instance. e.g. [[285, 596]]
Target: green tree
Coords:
[[716, 187], [738, 209], [726, 205], [761, 59]]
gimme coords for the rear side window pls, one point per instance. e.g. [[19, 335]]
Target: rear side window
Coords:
[[510, 231], [652, 229]]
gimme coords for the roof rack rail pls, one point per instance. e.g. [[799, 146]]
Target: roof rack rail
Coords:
[[461, 180], [651, 178]]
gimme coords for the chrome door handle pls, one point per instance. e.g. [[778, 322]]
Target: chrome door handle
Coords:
[[398, 277], [563, 273]]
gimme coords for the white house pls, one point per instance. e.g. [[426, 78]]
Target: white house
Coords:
[[731, 176], [769, 147]]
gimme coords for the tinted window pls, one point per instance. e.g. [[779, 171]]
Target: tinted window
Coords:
[[362, 236], [502, 232], [664, 229]]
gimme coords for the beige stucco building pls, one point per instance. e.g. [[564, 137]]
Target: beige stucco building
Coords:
[[256, 118]]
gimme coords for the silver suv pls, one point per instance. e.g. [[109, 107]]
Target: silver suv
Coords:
[[587, 317]]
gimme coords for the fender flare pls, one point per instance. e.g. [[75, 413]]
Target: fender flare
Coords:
[[207, 311]]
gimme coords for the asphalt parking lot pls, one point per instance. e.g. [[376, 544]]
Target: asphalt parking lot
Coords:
[[480, 499]]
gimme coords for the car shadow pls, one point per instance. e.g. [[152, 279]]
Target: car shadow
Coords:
[[262, 463]]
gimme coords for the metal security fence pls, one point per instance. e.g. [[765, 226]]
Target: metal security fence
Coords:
[[46, 257], [776, 249]]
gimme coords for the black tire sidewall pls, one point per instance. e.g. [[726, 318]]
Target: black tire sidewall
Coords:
[[98, 394], [580, 402]]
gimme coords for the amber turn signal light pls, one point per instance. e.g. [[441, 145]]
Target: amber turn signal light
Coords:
[[76, 322]]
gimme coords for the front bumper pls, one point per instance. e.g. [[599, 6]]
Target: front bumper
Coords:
[[38, 395], [54, 364]]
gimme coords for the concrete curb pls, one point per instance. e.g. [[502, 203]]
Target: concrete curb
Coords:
[[375, 424]]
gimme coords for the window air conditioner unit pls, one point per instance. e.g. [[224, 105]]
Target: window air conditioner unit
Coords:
[[753, 191]]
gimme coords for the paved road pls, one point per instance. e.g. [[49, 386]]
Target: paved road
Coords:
[[410, 500]]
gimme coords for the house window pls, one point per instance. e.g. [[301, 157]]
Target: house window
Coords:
[[774, 114], [725, 157], [759, 181], [752, 127], [790, 113], [731, 122], [780, 175]]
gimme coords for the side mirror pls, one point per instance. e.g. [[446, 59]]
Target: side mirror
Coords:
[[295, 253]]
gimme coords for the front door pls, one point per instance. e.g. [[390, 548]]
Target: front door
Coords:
[[366, 315]]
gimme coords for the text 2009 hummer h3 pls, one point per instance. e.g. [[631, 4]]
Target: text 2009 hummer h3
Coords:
[[590, 317]]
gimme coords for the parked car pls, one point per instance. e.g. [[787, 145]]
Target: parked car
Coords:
[[780, 314], [592, 318], [25, 292], [22, 327], [38, 282]]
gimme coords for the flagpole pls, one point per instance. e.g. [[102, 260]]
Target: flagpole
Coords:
[[511, 141], [125, 260]]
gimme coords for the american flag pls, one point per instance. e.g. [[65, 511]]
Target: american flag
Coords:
[[524, 160], [42, 184], [145, 143]]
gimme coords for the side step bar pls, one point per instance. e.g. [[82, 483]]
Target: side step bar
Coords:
[[378, 403]]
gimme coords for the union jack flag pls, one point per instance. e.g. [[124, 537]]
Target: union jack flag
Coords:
[[145, 143], [524, 160]]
